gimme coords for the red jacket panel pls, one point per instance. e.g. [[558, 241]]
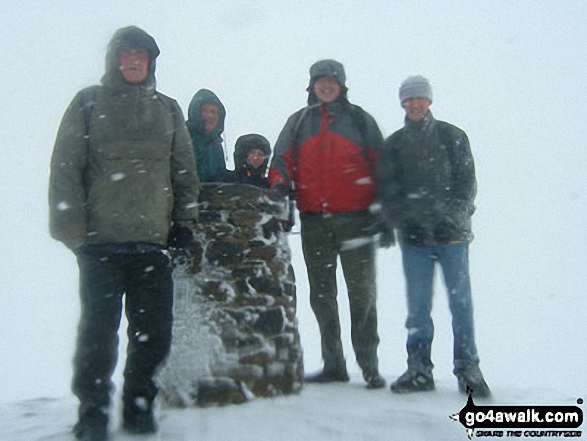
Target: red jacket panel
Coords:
[[330, 158]]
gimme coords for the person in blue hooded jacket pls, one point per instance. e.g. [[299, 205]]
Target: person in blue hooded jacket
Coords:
[[206, 115]]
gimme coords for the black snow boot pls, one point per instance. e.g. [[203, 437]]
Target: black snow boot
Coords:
[[137, 420], [413, 381], [91, 426], [340, 375], [471, 380], [375, 381]]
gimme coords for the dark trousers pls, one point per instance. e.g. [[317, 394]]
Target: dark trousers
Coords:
[[324, 239], [105, 276]]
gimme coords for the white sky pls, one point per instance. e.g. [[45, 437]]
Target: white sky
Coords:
[[512, 74]]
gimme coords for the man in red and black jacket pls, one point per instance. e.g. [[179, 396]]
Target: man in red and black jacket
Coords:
[[326, 154]]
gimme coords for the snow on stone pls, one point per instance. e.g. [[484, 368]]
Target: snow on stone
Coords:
[[235, 332]]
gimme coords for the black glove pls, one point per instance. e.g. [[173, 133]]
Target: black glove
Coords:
[[180, 237], [443, 232], [386, 236], [284, 192], [413, 234], [382, 231], [287, 225], [181, 244]]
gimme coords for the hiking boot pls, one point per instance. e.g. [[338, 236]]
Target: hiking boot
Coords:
[[413, 381], [90, 433], [85, 431], [92, 427], [137, 419], [375, 382], [339, 375], [471, 380], [140, 423]]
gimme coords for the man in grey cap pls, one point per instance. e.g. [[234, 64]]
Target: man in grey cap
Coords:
[[327, 153], [427, 191]]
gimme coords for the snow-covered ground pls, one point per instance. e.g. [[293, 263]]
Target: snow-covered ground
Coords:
[[510, 73], [543, 369], [320, 413]]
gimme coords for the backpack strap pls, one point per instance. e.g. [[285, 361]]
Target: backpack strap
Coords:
[[295, 152], [88, 99], [359, 118]]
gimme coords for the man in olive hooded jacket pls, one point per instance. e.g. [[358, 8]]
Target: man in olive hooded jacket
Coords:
[[122, 175]]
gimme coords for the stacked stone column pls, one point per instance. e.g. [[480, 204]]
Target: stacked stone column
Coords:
[[235, 333]]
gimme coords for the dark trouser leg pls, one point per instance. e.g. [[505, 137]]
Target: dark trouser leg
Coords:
[[96, 354], [320, 255], [418, 265], [454, 260], [357, 254], [149, 302]]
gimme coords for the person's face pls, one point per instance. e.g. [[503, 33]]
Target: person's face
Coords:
[[255, 158], [209, 112], [134, 64], [416, 108], [327, 90]]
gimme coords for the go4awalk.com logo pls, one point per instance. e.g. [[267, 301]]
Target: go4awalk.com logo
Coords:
[[527, 422]]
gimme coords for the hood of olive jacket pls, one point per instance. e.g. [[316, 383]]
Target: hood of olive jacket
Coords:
[[129, 37]]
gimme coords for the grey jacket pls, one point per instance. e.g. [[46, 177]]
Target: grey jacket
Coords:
[[427, 182], [122, 167]]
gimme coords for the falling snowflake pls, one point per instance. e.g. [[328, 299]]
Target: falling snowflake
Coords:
[[62, 206], [117, 177]]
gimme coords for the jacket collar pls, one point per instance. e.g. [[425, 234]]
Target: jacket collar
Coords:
[[422, 125]]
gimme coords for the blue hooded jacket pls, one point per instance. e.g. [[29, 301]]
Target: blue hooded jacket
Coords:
[[208, 149]]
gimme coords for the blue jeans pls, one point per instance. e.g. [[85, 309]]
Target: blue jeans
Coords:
[[419, 264]]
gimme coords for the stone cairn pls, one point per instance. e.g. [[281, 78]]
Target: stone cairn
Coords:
[[235, 332]]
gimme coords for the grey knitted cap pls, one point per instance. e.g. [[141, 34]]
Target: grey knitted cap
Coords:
[[415, 87]]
